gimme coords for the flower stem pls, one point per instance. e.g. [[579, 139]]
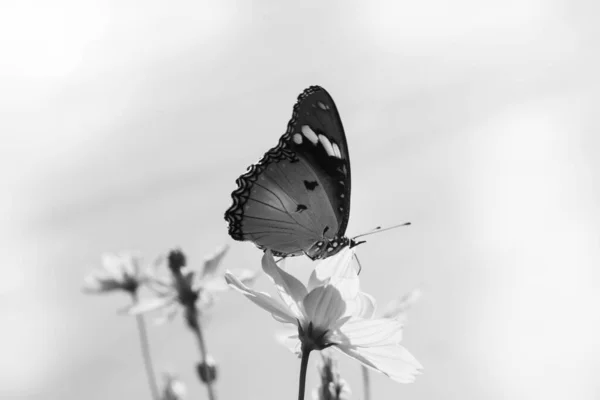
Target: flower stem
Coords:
[[303, 367], [144, 343], [366, 383], [193, 323]]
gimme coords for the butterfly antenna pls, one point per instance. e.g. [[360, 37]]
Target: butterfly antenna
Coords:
[[378, 229]]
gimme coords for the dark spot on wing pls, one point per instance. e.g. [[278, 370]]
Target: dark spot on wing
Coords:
[[310, 185], [325, 230], [301, 207]]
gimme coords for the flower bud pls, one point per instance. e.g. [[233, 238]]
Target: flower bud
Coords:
[[332, 386], [176, 260], [174, 389], [207, 370]]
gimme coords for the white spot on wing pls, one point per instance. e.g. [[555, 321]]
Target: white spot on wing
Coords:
[[310, 135], [336, 151], [297, 138], [322, 106], [327, 145]]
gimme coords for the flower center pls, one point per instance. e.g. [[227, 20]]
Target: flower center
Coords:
[[314, 338]]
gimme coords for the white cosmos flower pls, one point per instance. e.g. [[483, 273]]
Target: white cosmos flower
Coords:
[[184, 287], [119, 271], [331, 311]]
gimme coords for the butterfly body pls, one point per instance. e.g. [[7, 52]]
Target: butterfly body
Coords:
[[296, 199]]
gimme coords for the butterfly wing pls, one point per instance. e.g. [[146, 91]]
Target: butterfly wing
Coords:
[[298, 194]]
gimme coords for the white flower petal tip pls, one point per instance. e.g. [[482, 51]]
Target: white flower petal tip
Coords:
[[393, 361], [152, 304], [220, 283], [95, 284], [263, 300], [399, 307], [245, 276], [212, 262], [370, 332], [290, 289]]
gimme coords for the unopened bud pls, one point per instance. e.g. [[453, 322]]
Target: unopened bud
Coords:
[[174, 389], [332, 386], [176, 260], [207, 370]]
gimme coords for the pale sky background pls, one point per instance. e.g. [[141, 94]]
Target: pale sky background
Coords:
[[123, 125]]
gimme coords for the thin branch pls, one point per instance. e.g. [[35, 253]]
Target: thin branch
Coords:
[[194, 325], [145, 345]]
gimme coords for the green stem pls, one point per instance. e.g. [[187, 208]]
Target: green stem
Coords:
[[366, 383], [145, 345], [193, 323], [303, 367]]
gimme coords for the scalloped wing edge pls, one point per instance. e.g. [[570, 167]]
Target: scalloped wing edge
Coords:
[[235, 212]]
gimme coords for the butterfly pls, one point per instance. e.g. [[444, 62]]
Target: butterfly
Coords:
[[296, 199]]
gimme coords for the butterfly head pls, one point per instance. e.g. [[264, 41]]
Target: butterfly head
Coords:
[[327, 248]]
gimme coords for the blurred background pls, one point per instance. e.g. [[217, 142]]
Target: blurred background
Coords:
[[123, 125]]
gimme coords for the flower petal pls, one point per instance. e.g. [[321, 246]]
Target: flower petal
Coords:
[[215, 284], [161, 284], [337, 270], [397, 308], [370, 332], [261, 299], [362, 306], [147, 305], [324, 306], [96, 282], [290, 289], [218, 284], [291, 341], [392, 360], [113, 265], [131, 263], [168, 314], [212, 262]]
